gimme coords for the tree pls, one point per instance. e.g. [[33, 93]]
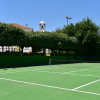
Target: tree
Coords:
[[59, 30], [70, 28], [87, 32], [82, 28], [91, 43], [11, 36]]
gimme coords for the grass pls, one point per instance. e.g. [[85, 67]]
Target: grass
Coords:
[[80, 81]]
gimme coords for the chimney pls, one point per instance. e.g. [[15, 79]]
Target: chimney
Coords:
[[26, 25]]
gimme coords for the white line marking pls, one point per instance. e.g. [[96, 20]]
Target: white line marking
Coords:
[[38, 70], [86, 84], [46, 67], [69, 74], [76, 71], [42, 68], [20, 71], [83, 75], [47, 86], [87, 92], [44, 71]]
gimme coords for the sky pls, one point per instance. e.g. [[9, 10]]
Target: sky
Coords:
[[53, 12]]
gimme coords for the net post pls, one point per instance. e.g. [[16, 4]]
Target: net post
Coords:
[[50, 62]]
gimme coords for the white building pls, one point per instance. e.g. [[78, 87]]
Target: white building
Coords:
[[42, 26]]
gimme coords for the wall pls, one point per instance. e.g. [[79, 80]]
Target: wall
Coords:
[[20, 61]]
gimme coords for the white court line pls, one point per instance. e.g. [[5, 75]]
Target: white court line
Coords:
[[23, 70], [75, 71], [86, 84], [84, 75], [81, 70], [44, 71], [69, 73], [41, 68], [42, 85], [38, 70], [13, 71], [19, 71]]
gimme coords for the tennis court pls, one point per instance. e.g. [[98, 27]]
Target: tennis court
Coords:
[[78, 81]]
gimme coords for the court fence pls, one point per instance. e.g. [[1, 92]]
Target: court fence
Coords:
[[21, 61]]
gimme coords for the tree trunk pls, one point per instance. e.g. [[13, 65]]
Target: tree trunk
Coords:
[[51, 51], [54, 52], [22, 50], [9, 48], [2, 48], [67, 55], [44, 51], [33, 50]]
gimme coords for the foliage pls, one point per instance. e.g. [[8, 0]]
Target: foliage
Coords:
[[82, 37], [91, 43], [70, 28], [10, 35], [82, 28], [59, 30], [51, 40]]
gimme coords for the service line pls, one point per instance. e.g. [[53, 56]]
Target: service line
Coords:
[[86, 84], [49, 86]]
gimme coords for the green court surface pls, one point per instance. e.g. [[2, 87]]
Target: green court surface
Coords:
[[79, 81]]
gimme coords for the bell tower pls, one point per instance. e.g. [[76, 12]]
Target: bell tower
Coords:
[[42, 26]]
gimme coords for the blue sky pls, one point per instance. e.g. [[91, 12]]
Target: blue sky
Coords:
[[53, 12]]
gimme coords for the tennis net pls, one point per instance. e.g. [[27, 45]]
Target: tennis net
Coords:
[[73, 64]]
